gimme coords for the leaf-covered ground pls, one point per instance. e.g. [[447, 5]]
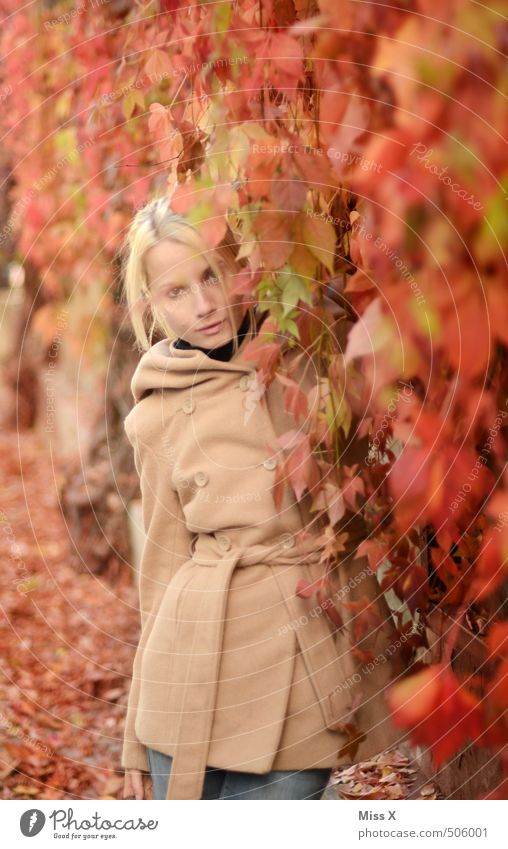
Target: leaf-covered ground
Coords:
[[389, 775], [67, 644]]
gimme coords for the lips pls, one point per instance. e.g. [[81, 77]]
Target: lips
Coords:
[[212, 328]]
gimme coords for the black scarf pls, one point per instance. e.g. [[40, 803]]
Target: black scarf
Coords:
[[223, 352]]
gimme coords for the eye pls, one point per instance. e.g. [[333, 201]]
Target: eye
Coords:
[[209, 276], [174, 292]]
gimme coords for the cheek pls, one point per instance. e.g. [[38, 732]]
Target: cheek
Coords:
[[171, 313], [179, 314]]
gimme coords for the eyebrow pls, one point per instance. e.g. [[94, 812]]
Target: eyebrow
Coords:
[[169, 283]]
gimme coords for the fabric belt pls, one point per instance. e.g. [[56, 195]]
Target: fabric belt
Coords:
[[315, 638]]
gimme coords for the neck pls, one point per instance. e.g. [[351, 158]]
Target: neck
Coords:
[[221, 352]]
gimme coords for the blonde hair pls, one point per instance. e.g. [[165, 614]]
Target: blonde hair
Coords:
[[152, 223]]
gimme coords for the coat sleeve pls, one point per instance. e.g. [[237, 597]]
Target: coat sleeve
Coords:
[[155, 572]]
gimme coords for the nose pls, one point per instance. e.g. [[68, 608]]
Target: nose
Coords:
[[203, 299]]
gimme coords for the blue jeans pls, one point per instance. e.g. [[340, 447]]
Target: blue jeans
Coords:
[[226, 784]]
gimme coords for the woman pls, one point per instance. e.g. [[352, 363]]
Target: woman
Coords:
[[241, 689]]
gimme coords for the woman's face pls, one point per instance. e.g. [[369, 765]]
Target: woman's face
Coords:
[[185, 289]]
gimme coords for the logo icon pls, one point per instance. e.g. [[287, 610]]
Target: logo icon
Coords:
[[32, 822]]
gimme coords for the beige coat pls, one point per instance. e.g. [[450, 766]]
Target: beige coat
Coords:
[[233, 670]]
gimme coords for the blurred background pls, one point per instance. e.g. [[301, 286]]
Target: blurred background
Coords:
[[104, 104]]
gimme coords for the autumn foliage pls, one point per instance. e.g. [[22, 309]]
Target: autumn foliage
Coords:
[[357, 152]]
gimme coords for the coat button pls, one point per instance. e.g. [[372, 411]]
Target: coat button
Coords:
[[245, 382], [224, 542], [270, 463], [287, 540], [200, 478], [188, 405]]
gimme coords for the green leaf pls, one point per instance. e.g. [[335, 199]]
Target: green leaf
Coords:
[[495, 228], [201, 212], [63, 105], [294, 290], [292, 327], [221, 17], [65, 140], [30, 584], [287, 322]]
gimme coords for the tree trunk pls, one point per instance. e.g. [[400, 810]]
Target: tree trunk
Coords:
[[100, 484]]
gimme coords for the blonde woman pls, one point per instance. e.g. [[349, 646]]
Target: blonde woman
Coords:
[[241, 689]]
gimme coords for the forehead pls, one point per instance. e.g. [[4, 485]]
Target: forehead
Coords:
[[174, 261]]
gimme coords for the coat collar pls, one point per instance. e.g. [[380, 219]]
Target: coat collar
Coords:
[[165, 366]]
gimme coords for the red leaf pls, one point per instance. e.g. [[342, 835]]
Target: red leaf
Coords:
[[375, 551], [491, 566], [189, 195], [159, 122], [412, 587], [286, 55], [438, 709], [304, 589], [273, 231], [497, 639], [213, 230], [295, 401], [302, 468], [327, 604]]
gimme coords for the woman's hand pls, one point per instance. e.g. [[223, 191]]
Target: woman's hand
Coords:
[[136, 784]]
